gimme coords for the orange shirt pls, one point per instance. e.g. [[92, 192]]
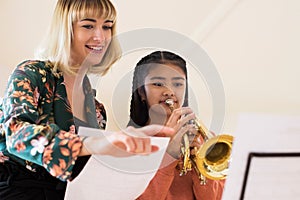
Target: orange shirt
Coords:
[[168, 185]]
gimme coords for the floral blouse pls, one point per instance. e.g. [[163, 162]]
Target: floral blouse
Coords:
[[37, 126]]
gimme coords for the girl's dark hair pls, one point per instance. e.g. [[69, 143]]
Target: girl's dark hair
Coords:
[[139, 113]]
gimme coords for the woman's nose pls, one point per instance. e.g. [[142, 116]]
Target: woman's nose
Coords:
[[99, 35]]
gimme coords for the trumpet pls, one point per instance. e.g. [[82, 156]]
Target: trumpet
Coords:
[[212, 159]]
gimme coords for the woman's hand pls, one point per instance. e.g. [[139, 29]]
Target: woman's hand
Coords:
[[3, 158], [130, 141]]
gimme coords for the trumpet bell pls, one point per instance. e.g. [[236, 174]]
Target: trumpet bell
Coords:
[[213, 158]]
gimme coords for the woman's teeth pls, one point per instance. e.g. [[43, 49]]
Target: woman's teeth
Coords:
[[97, 48]]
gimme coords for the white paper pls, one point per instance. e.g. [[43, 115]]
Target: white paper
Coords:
[[111, 178], [265, 134], [273, 178]]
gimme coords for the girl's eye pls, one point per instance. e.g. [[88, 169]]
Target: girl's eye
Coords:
[[88, 26], [158, 84], [178, 84]]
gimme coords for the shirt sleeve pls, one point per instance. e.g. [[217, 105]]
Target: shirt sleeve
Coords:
[[28, 135], [159, 186], [213, 189]]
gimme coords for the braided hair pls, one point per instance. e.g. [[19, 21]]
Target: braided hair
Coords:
[[139, 113]]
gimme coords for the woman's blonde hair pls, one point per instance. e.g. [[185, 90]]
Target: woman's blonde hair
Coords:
[[57, 45]]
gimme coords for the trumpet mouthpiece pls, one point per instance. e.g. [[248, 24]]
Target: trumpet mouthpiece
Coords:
[[169, 102]]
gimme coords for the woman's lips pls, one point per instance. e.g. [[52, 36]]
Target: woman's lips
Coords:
[[95, 49]]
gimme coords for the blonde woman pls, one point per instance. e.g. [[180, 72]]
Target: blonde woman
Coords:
[[46, 100]]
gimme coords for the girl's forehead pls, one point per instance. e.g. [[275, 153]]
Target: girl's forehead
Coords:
[[166, 69]]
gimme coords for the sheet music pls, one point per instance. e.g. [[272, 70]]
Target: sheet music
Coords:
[[275, 178], [110, 178]]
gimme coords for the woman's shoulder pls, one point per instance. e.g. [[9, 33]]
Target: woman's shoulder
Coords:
[[34, 65], [41, 67], [35, 72]]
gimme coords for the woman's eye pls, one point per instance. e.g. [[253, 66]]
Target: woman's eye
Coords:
[[107, 27], [88, 26]]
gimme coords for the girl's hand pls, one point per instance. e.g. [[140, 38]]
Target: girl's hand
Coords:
[[179, 121], [180, 117], [175, 144]]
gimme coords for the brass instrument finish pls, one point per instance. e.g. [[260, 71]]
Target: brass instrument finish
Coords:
[[212, 159]]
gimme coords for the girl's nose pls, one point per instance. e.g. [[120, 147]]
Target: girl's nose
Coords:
[[168, 92]]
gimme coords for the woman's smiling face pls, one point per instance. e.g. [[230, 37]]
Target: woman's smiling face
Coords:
[[91, 38]]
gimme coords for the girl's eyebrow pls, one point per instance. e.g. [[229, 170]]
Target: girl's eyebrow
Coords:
[[178, 78], [162, 78], [157, 77]]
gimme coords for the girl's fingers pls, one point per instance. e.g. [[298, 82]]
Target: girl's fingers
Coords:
[[185, 119], [179, 113], [184, 129], [180, 117]]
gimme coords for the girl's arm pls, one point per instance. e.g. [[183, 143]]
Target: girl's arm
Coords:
[[159, 186]]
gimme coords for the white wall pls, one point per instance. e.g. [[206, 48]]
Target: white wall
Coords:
[[253, 43]]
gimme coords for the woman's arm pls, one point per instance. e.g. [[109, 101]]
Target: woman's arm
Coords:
[[32, 136], [30, 133], [124, 143]]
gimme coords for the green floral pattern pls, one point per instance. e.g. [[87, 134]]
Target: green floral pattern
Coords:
[[36, 122]]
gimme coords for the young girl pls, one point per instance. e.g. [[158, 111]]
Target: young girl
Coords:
[[158, 77], [46, 100]]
